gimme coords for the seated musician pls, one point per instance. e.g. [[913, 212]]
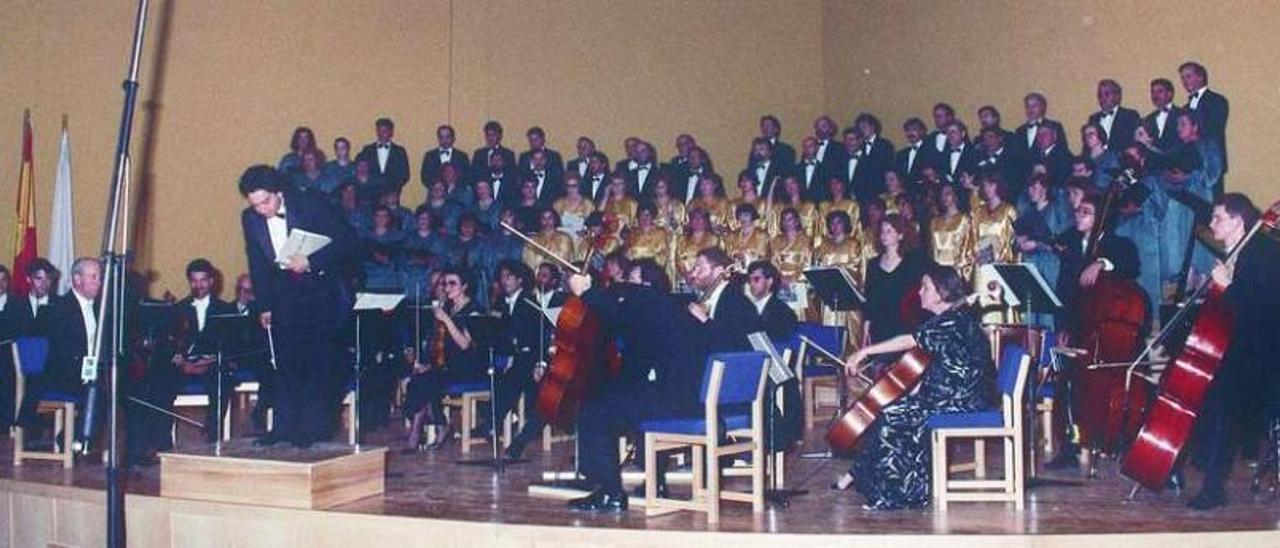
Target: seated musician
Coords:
[[1247, 384], [778, 319], [546, 286], [892, 469], [526, 335], [188, 354], [660, 375], [450, 357]]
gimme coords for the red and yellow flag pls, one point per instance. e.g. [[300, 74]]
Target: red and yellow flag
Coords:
[[24, 235]]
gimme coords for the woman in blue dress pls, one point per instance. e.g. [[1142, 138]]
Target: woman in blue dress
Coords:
[[892, 466]]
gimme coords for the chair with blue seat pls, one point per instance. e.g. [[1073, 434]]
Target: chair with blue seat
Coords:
[[193, 394], [812, 375], [1003, 424], [730, 380], [468, 396], [29, 357]]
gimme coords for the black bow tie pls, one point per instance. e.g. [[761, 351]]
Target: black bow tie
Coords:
[[280, 215], [1195, 96], [540, 174], [384, 145], [956, 150], [1109, 113], [643, 166], [916, 147]]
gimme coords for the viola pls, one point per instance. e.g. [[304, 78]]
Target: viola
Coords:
[[845, 433], [1164, 433]]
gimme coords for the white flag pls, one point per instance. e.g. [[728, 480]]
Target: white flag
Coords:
[[62, 234]]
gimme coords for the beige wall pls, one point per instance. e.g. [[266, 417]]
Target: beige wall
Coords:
[[240, 74], [899, 58]]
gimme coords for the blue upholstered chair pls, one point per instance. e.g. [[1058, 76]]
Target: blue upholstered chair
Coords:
[[468, 396], [29, 357], [813, 367], [193, 394], [1003, 423], [730, 380]]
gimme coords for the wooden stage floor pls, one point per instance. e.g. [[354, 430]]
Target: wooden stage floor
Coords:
[[432, 485]]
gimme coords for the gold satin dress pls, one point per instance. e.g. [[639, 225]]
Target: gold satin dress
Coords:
[[846, 254], [624, 209], [809, 221], [717, 209], [951, 243], [654, 243], [687, 248], [556, 241], [846, 205], [993, 243], [731, 218], [745, 249], [672, 217]]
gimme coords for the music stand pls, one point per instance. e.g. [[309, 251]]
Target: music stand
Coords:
[[835, 288], [1023, 287], [366, 301], [218, 326], [779, 373], [486, 332]]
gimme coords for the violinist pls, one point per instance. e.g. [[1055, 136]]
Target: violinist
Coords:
[[1247, 384], [187, 355], [452, 356], [892, 467]]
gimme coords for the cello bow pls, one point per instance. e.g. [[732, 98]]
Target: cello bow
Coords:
[[541, 248]]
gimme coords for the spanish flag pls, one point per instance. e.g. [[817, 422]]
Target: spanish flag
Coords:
[[24, 235]]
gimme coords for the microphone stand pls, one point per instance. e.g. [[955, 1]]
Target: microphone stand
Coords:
[[115, 246]]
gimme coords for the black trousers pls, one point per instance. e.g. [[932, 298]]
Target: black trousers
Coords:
[[149, 429], [306, 326], [602, 420], [515, 382], [1233, 404]]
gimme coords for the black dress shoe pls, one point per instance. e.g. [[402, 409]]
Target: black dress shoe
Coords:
[[601, 501], [514, 451], [1208, 499], [268, 439]]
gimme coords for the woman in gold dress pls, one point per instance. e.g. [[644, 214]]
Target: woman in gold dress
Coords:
[[746, 195], [993, 236], [951, 234], [750, 242], [697, 237], [549, 236], [791, 195], [670, 212], [573, 207], [647, 240], [792, 250], [711, 200], [840, 201], [893, 190], [617, 203], [841, 249]]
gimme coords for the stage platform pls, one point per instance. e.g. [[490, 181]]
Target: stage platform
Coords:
[[432, 501]]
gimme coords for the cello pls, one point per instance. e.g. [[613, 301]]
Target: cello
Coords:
[[1110, 315], [1164, 433], [580, 348], [844, 434]]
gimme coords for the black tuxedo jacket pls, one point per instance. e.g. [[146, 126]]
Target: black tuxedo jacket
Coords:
[[813, 181], [778, 320], [1020, 137], [633, 181], [589, 188], [431, 165], [68, 341], [555, 163], [863, 184], [1126, 122], [22, 323], [936, 139], [783, 154], [833, 163], [525, 330], [969, 159], [776, 170], [732, 320], [880, 156], [1212, 112], [505, 185], [1009, 164], [1121, 252], [1169, 138], [397, 170], [1057, 163], [480, 160], [207, 339], [552, 184], [278, 289], [576, 165], [926, 155]]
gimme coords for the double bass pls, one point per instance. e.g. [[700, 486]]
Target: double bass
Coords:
[[1110, 318], [583, 354], [1155, 450]]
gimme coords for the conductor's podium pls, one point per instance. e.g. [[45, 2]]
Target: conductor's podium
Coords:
[[322, 476]]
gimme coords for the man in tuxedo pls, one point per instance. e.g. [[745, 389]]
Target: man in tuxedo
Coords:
[[596, 183], [1246, 388], [503, 180], [1117, 256], [1036, 106], [725, 316], [960, 156], [482, 158], [30, 315], [680, 162], [586, 147], [855, 172], [996, 156], [72, 330], [1210, 107], [191, 358], [435, 159], [631, 151], [764, 168], [912, 159], [304, 300], [809, 171], [1051, 154], [526, 336], [771, 131], [640, 180], [877, 151], [943, 115], [387, 159], [831, 156], [1161, 123], [550, 181], [774, 317], [685, 183], [989, 117], [1118, 123], [552, 161]]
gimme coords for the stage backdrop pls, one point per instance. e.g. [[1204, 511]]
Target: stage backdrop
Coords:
[[224, 84]]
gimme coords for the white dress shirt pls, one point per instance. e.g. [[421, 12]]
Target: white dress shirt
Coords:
[[940, 141], [1107, 118], [642, 175], [4, 300], [1162, 118], [713, 298], [202, 311], [278, 229], [90, 320], [1194, 102], [36, 303], [446, 154], [911, 156], [384, 152], [822, 149]]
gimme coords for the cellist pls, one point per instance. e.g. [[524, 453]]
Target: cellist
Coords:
[[1247, 384], [1115, 256]]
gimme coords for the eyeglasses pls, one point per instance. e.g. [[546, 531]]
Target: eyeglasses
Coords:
[[1085, 211]]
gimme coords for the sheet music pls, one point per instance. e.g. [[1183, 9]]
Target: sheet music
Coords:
[[303, 243], [778, 370], [377, 301]]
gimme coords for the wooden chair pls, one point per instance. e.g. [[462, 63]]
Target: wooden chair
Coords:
[[194, 395], [467, 397], [812, 376], [29, 357], [730, 379], [1003, 424]]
